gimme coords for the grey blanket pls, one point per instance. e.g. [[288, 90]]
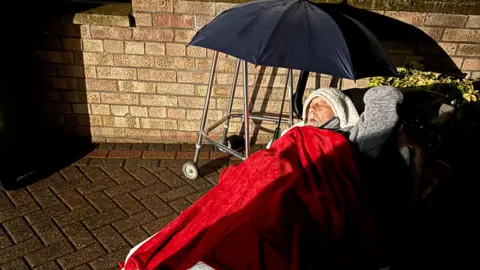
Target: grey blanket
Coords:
[[377, 121]]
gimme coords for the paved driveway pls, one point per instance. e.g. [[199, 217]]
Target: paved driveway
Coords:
[[89, 214]]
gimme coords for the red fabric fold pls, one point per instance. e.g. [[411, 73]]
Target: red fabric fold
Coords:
[[293, 206]]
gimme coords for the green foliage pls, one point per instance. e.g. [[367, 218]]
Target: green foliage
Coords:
[[414, 76]]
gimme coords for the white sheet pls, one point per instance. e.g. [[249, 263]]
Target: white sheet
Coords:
[[198, 266]]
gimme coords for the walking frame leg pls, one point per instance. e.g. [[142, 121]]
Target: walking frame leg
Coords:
[[246, 109], [283, 100], [290, 94], [205, 107], [230, 104]]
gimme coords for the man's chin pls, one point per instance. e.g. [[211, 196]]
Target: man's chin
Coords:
[[314, 124]]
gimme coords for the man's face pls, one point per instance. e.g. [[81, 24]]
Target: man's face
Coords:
[[319, 112]]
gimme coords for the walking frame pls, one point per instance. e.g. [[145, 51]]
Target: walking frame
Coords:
[[190, 169]]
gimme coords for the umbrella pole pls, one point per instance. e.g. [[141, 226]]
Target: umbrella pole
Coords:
[[230, 104], [290, 94], [246, 109], [205, 107], [298, 97]]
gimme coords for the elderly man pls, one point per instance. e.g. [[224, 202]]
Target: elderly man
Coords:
[[330, 108], [297, 205]]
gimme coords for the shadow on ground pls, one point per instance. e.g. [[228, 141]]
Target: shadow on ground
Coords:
[[44, 121]]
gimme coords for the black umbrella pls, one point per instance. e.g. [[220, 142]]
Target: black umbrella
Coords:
[[297, 34]]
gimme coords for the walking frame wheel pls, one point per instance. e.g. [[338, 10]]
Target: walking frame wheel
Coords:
[[190, 170]]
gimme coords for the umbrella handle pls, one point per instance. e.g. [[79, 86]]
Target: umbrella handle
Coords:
[[299, 93]]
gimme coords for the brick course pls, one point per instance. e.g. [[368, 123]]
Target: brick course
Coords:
[[451, 20], [153, 5]]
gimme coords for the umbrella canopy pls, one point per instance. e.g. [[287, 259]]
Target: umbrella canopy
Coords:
[[296, 34]]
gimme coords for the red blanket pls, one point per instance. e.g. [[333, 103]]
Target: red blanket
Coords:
[[293, 206]]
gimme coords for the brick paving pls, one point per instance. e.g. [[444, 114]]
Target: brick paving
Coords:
[[89, 214]]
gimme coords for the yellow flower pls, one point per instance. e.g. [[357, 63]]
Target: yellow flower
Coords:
[[471, 95]]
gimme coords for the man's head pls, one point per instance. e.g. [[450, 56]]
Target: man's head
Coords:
[[325, 103], [318, 112]]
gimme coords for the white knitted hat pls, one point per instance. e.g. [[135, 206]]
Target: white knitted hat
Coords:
[[341, 105]]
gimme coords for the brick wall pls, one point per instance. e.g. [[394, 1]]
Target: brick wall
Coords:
[[132, 84], [59, 76]]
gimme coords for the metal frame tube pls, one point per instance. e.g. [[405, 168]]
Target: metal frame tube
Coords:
[[205, 107], [237, 115], [246, 112], [283, 99], [230, 104], [290, 94], [267, 118]]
